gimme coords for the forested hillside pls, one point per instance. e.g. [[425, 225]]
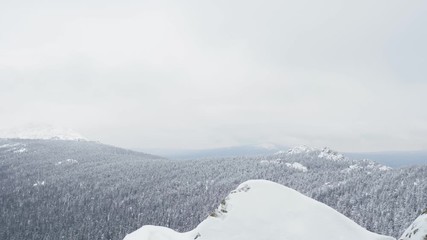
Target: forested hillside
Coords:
[[86, 190]]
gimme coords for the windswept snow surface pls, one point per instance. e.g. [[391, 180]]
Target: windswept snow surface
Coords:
[[263, 210], [417, 230], [41, 132]]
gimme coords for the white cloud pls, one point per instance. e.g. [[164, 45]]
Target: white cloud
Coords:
[[206, 74]]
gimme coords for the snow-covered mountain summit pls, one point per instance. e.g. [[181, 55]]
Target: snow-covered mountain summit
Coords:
[[312, 157], [260, 209], [417, 230], [325, 153], [38, 131], [299, 150], [330, 154]]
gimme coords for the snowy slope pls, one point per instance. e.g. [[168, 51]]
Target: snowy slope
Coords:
[[263, 210], [417, 230], [41, 132]]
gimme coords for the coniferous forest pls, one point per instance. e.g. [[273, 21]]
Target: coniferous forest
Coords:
[[86, 190]]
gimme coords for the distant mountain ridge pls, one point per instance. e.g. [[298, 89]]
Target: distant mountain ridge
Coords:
[[306, 155], [325, 153], [392, 159], [233, 151], [41, 131]]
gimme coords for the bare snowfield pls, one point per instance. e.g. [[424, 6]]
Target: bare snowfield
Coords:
[[264, 210]]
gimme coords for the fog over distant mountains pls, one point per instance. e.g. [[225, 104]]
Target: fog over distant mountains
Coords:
[[51, 132], [232, 151], [41, 131], [390, 158]]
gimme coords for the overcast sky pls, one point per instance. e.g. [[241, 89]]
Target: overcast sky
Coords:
[[350, 75]]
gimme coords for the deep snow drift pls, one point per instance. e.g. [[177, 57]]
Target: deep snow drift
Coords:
[[264, 210], [417, 230]]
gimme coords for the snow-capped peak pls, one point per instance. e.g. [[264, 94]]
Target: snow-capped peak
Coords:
[[417, 230], [260, 209], [301, 149], [329, 154], [325, 153], [41, 132]]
